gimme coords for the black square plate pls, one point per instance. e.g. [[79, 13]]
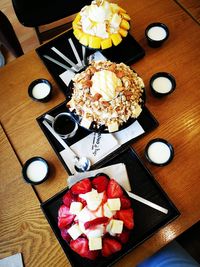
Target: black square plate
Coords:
[[147, 220], [128, 51], [146, 120]]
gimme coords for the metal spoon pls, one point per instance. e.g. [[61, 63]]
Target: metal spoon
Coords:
[[80, 164]]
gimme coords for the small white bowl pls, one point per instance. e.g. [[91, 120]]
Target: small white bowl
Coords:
[[162, 84], [40, 90], [159, 152], [35, 170], [156, 34]]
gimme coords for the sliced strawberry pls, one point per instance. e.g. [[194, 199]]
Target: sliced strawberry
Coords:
[[100, 183], [110, 246], [68, 198], [96, 221], [124, 236], [81, 246], [127, 217], [83, 201], [104, 198], [65, 235], [125, 202], [64, 217], [114, 190], [82, 187]]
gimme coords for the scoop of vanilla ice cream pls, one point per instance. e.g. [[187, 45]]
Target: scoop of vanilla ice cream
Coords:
[[105, 82], [98, 13]]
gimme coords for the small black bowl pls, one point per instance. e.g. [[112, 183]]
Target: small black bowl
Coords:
[[45, 96], [156, 42], [160, 140], [44, 176], [164, 75]]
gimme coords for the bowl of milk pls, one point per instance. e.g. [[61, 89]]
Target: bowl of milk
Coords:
[[159, 152], [40, 90], [35, 170], [156, 34], [162, 84]]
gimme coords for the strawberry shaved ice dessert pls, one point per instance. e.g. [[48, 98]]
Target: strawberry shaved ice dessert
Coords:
[[96, 217]]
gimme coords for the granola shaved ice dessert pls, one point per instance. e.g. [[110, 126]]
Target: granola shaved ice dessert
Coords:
[[108, 94]]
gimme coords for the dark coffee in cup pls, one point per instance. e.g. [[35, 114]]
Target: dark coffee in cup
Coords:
[[63, 124]]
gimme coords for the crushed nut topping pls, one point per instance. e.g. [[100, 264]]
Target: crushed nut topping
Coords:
[[92, 106]]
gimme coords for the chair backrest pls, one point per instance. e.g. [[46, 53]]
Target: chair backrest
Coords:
[[37, 13], [33, 13], [8, 36]]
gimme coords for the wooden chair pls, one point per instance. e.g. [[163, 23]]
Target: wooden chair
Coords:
[[8, 36], [48, 17]]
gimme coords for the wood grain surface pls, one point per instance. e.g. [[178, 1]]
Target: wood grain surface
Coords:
[[192, 7], [23, 227], [178, 116]]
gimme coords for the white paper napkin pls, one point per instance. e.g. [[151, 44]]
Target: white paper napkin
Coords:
[[132, 131], [12, 261], [95, 146], [116, 171]]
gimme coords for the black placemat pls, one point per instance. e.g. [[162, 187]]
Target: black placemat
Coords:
[[146, 120], [128, 51], [147, 219]]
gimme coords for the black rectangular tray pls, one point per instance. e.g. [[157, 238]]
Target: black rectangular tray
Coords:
[[146, 120], [128, 51], [147, 220]]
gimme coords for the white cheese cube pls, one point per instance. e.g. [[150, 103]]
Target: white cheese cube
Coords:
[[117, 226], [107, 212], [85, 215], [113, 127], [97, 232], [136, 111], [95, 243], [74, 231], [75, 207], [85, 123], [114, 203], [93, 200]]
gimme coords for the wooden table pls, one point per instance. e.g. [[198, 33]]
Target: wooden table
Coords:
[[192, 7], [178, 115]]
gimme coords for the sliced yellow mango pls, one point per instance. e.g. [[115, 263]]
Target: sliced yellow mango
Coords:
[[125, 24], [77, 18], [95, 42], [75, 25], [116, 38], [84, 40], [125, 16], [106, 43], [78, 33], [121, 10], [123, 32], [114, 7]]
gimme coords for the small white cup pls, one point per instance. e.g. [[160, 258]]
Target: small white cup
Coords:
[[63, 124]]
